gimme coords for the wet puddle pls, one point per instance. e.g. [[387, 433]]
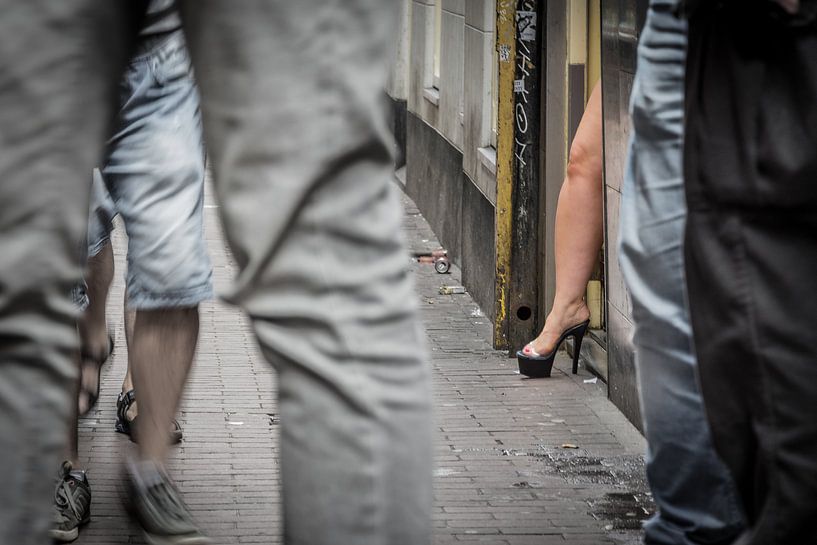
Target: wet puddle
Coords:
[[627, 502], [623, 508]]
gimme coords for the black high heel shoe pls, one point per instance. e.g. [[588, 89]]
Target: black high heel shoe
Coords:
[[536, 366]]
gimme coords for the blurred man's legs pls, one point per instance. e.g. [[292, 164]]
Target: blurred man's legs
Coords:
[[694, 492], [154, 174], [302, 163], [56, 99], [93, 326], [155, 177], [324, 276], [751, 245]]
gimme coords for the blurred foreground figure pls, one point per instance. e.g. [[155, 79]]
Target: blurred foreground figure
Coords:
[[751, 183], [302, 167], [153, 177], [696, 497]]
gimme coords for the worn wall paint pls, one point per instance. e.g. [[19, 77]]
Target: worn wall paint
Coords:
[[524, 287], [506, 49]]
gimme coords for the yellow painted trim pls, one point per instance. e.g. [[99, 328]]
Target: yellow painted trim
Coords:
[[506, 54], [594, 303], [593, 45], [577, 33]]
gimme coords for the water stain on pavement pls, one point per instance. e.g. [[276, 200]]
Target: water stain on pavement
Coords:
[[623, 509]]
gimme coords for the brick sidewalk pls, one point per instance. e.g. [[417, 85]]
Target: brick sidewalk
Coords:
[[502, 476]]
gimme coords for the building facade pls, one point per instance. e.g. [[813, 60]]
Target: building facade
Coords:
[[487, 95]]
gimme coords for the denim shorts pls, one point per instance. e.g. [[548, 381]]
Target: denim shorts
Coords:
[[153, 178]]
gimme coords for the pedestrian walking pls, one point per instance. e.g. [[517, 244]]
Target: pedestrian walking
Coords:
[[696, 497], [153, 177], [302, 165], [751, 251]]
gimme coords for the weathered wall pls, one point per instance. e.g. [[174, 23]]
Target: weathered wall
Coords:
[[620, 25], [450, 166], [397, 84]]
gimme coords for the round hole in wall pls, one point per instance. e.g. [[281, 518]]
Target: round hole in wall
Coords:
[[524, 313]]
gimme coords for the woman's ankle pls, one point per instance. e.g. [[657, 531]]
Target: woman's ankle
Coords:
[[568, 314]]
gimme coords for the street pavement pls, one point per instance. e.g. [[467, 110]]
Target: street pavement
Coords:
[[518, 461]]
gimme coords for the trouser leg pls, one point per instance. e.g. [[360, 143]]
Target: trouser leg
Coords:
[[696, 498], [750, 169], [55, 84], [753, 324], [302, 166]]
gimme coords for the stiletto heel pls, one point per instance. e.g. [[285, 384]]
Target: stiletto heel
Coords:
[[578, 336], [536, 366]]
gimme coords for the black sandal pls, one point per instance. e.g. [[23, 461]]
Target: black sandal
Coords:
[[534, 365], [93, 396], [123, 425]]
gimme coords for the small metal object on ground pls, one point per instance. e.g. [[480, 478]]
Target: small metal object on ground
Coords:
[[439, 258], [451, 290]]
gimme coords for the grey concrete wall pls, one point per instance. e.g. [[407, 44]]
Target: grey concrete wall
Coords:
[[461, 216], [397, 83], [450, 166], [620, 24], [434, 181], [480, 42]]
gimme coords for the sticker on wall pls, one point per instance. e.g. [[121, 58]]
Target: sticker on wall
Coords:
[[504, 52]]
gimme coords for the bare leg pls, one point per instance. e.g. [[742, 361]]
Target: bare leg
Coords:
[[93, 327], [164, 343], [73, 434], [579, 233]]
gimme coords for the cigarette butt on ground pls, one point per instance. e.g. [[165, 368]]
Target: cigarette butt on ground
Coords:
[[451, 290]]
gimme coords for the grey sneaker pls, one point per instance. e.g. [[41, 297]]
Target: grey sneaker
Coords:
[[72, 504], [157, 506]]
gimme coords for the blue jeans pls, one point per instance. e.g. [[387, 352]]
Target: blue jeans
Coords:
[[153, 177], [695, 495]]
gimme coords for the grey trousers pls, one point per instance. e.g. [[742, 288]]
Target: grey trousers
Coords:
[[302, 163], [695, 495]]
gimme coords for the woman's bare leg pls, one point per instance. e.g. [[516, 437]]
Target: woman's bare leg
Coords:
[[579, 234]]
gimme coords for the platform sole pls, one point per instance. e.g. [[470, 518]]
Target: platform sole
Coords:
[[534, 367]]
